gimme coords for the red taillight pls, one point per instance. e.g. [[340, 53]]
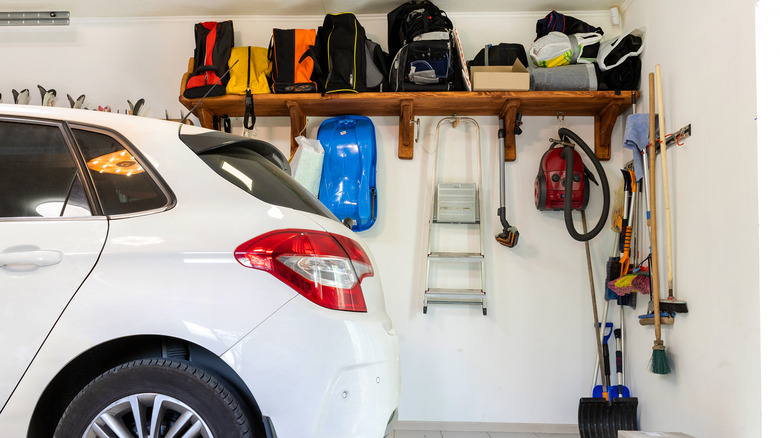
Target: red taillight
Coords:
[[325, 268]]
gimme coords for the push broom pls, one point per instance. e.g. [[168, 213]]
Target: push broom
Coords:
[[670, 303], [659, 361]]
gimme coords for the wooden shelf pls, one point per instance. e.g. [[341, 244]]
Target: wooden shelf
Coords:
[[603, 106]]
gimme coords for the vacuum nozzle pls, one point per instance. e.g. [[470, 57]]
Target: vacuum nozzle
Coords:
[[508, 237]]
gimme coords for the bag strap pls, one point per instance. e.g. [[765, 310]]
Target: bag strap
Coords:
[[249, 101], [575, 48]]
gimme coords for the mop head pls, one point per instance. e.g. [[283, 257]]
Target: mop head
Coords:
[[659, 362], [633, 282]]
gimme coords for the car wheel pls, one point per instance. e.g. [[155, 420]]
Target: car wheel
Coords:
[[155, 398]]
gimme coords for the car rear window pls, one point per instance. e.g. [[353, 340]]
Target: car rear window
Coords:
[[252, 172], [122, 183]]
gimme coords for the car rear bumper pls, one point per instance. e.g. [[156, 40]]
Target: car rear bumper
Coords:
[[322, 373]]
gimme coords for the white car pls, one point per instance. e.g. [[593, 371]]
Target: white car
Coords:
[[164, 280]]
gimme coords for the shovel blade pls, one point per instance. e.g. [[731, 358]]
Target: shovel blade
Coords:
[[598, 418]]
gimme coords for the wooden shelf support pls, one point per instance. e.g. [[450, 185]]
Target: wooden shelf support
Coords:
[[508, 114], [406, 130], [603, 123], [297, 124]]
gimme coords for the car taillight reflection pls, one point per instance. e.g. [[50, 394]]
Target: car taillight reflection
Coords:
[[325, 268]]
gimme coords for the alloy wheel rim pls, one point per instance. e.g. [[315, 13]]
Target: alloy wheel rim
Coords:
[[147, 415]]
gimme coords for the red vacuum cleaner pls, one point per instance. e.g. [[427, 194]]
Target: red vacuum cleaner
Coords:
[[554, 190]]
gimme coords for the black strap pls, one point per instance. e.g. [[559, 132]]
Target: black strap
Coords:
[[249, 111], [249, 103]]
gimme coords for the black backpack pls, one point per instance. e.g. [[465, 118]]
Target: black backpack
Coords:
[[294, 64], [427, 58], [213, 43], [428, 65], [348, 61], [411, 20]]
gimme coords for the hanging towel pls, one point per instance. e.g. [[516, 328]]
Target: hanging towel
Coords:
[[636, 138]]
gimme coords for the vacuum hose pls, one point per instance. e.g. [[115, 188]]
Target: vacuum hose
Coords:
[[567, 208]]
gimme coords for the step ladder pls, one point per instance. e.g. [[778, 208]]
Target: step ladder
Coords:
[[460, 205]]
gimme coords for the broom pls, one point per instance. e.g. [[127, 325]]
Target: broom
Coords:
[[670, 303], [659, 361]]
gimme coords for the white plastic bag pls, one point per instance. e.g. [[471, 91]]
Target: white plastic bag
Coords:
[[556, 49], [634, 42], [306, 164]]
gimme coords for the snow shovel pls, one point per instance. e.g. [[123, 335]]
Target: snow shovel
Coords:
[[602, 417], [606, 333]]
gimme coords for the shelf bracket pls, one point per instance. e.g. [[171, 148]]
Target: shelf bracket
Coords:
[[604, 121], [508, 114], [297, 124], [406, 130]]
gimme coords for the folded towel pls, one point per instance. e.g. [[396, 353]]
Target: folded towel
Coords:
[[636, 138]]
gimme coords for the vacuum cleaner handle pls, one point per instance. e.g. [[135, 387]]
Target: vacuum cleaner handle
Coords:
[[502, 199], [509, 235]]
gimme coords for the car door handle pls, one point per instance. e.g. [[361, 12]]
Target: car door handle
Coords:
[[38, 258]]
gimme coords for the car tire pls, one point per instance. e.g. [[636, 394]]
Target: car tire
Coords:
[[170, 393]]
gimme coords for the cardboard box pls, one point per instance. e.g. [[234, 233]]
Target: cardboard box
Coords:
[[639, 434], [500, 77]]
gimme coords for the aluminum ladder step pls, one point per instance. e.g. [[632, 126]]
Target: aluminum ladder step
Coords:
[[457, 256], [455, 296]]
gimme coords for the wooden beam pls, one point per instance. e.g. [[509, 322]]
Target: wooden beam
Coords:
[[603, 106]]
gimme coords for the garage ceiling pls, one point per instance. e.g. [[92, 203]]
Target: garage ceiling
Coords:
[[175, 8]]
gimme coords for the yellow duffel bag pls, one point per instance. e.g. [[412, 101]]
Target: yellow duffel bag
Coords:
[[248, 77]]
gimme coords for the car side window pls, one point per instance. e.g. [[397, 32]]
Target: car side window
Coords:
[[38, 175], [123, 185]]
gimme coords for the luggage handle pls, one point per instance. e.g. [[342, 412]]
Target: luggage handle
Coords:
[[373, 203]]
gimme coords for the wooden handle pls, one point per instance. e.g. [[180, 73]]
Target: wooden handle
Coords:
[[653, 232], [664, 175]]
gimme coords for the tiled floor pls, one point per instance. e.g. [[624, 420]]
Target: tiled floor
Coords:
[[444, 434]]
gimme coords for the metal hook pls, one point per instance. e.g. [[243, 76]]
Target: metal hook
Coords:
[[455, 122], [560, 116], [416, 124]]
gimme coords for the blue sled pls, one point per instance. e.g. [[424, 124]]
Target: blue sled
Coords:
[[348, 182]]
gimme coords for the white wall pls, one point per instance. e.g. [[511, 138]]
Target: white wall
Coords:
[[707, 56], [531, 358], [767, 14]]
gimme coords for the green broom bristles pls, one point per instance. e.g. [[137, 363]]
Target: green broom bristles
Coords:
[[659, 362]]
